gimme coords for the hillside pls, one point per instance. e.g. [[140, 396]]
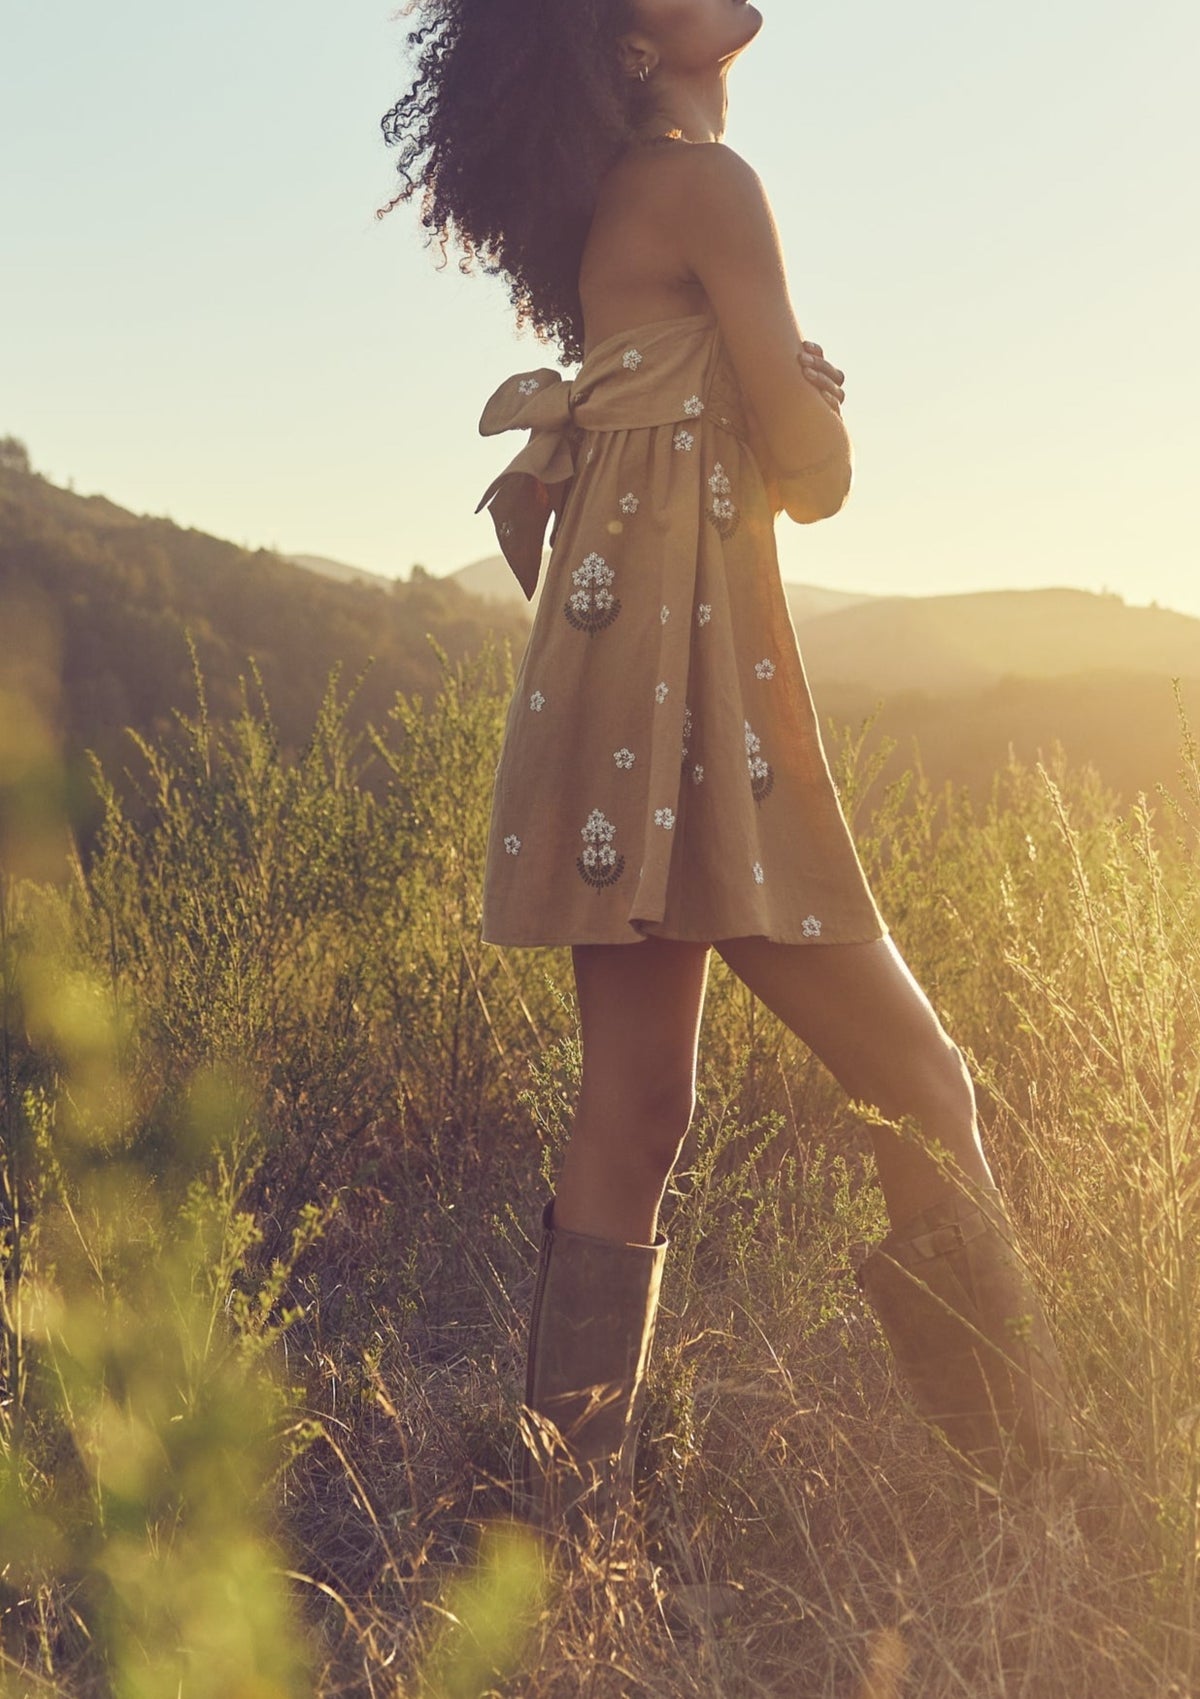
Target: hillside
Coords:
[[968, 676], [94, 602], [950, 643], [338, 569]]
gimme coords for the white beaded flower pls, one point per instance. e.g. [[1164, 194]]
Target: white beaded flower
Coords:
[[684, 439], [693, 406], [599, 864], [660, 693], [811, 926], [664, 614], [512, 844], [758, 873], [629, 503], [598, 836], [631, 359], [597, 827], [537, 701], [527, 386], [704, 613], [664, 817], [722, 510], [623, 758], [764, 669], [697, 774], [762, 778], [592, 580]]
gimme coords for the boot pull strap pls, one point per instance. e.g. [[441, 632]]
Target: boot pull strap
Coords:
[[937, 1242]]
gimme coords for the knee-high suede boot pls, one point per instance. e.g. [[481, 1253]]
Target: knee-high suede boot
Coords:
[[971, 1338], [590, 1336]]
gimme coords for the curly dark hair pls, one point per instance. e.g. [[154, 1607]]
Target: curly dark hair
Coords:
[[517, 110]]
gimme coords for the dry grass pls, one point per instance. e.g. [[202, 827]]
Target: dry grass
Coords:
[[277, 1128]]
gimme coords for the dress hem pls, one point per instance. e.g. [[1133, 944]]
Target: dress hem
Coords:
[[677, 938]]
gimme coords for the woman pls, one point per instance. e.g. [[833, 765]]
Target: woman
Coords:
[[662, 788]]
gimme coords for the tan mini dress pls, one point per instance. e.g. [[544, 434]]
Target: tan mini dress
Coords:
[[662, 771]]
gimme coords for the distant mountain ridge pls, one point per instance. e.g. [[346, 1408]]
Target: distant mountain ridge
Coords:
[[950, 642], [972, 674], [492, 578], [968, 676], [338, 570]]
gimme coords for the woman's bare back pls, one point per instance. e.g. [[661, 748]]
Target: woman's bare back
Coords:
[[633, 272]]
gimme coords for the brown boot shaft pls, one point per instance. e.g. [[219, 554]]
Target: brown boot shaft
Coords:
[[971, 1338], [590, 1337]]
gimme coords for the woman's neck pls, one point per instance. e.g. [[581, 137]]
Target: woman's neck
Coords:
[[691, 109]]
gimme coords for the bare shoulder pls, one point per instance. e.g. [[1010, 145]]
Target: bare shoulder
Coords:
[[716, 189], [684, 174], [719, 166]]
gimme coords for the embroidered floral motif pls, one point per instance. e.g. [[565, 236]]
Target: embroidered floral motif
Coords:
[[631, 359], [527, 386], [684, 439], [512, 844], [660, 693], [664, 614], [591, 605], [811, 926], [704, 613], [629, 503], [623, 757], [762, 774], [697, 774], [764, 669], [722, 512], [693, 406], [537, 701], [599, 864], [664, 817], [758, 873], [687, 731]]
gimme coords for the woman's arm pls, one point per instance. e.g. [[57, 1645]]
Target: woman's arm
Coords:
[[727, 237]]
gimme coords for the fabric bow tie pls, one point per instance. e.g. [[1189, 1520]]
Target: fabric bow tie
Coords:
[[536, 483]]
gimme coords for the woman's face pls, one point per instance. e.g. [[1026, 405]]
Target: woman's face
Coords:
[[689, 35]]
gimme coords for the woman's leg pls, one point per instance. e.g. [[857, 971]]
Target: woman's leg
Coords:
[[639, 1011], [859, 1009]]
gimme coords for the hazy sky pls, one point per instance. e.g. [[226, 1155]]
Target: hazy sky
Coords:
[[990, 220]]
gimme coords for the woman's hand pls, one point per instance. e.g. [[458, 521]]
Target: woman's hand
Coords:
[[822, 375]]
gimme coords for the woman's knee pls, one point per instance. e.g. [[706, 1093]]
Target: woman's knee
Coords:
[[932, 1083], [643, 1123]]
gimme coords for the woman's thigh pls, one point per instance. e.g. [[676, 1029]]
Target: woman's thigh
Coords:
[[859, 1009], [639, 1014]]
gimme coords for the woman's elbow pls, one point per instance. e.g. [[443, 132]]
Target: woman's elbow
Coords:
[[816, 494]]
